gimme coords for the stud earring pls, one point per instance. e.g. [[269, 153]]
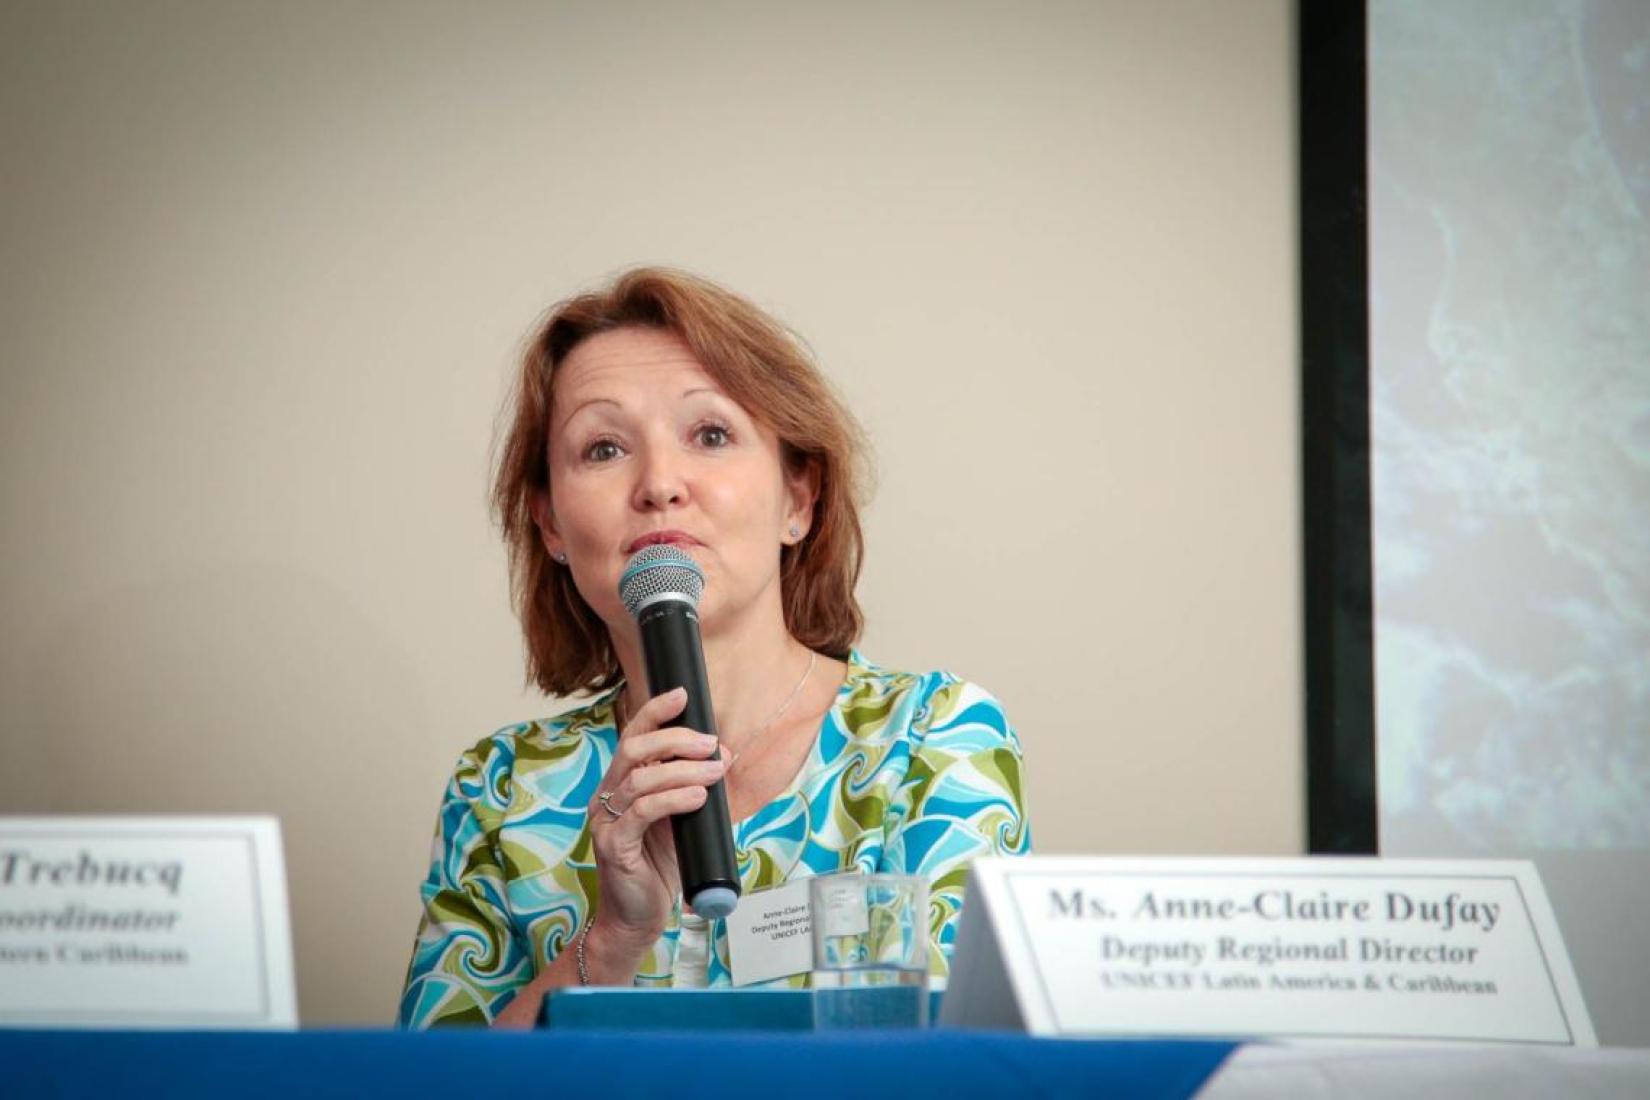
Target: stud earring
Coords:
[[796, 532], [561, 558]]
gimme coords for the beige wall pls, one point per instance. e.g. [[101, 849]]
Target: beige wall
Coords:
[[266, 267]]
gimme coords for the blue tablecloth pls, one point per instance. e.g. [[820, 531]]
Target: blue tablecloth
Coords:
[[593, 1065]]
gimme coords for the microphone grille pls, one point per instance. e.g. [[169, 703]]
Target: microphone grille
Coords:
[[658, 570]]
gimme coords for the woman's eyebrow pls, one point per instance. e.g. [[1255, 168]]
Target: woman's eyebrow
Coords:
[[582, 405]]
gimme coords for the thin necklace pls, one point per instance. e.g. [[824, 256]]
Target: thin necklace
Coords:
[[774, 717], [620, 706]]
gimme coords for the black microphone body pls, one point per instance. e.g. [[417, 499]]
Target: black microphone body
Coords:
[[704, 837]]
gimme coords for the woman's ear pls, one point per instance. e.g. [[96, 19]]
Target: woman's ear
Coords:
[[802, 493], [539, 504]]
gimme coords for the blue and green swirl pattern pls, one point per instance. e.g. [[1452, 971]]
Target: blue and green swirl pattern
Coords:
[[912, 774]]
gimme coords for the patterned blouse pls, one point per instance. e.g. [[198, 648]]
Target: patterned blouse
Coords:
[[910, 774]]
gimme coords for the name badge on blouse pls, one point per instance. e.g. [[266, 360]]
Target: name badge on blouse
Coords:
[[770, 935]]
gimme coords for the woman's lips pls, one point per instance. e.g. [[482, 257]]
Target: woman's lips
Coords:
[[654, 538]]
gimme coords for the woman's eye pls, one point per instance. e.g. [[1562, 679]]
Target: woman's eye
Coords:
[[603, 450], [713, 435]]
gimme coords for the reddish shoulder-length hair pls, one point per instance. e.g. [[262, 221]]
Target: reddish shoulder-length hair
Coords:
[[762, 366]]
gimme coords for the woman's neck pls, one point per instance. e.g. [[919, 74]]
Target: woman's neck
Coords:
[[753, 667]]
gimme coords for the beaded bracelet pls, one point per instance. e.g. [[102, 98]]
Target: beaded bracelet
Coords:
[[578, 952]]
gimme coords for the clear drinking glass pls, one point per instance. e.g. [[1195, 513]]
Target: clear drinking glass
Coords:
[[870, 936]]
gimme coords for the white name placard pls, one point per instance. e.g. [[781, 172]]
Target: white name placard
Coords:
[[1312, 948], [144, 922], [770, 934]]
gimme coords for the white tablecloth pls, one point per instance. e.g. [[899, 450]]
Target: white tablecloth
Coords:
[[1411, 1073]]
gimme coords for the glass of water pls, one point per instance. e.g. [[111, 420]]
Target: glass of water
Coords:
[[870, 937]]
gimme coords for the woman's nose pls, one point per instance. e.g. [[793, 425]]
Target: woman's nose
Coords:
[[661, 484]]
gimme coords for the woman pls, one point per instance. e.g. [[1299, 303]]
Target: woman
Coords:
[[666, 409]]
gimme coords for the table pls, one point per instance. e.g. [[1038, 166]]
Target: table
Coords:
[[313, 1065], [316, 1065]]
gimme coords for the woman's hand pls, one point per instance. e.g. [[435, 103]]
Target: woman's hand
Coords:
[[656, 772]]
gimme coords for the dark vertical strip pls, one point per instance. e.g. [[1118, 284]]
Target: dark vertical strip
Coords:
[[1340, 701]]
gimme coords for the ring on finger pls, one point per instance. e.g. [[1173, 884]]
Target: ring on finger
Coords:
[[606, 799]]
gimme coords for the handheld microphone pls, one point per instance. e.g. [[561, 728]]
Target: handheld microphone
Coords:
[[660, 587]]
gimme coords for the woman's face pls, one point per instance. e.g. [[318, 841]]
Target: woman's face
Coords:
[[645, 446]]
